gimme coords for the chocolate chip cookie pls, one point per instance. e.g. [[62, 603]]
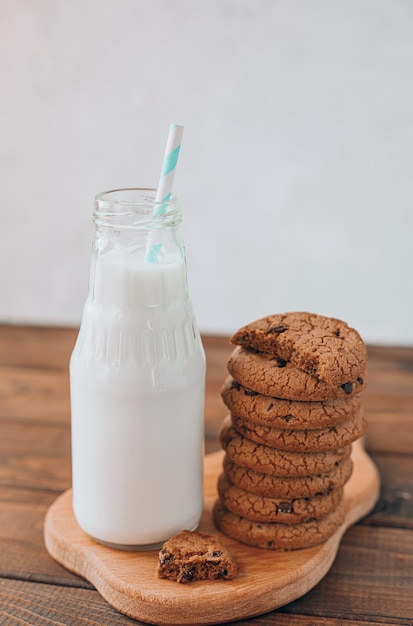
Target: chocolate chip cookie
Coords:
[[281, 413], [272, 376], [193, 555], [274, 535], [269, 460], [303, 440], [323, 347], [286, 486], [259, 508]]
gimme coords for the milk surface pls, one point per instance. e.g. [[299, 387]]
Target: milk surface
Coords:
[[137, 395]]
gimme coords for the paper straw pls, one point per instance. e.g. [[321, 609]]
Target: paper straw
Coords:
[[163, 193], [173, 145]]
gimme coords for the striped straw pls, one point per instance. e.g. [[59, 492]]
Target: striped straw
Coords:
[[164, 190], [163, 193]]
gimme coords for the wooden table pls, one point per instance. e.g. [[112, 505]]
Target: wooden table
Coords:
[[370, 582]]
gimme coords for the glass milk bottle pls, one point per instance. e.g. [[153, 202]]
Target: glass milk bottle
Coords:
[[137, 380]]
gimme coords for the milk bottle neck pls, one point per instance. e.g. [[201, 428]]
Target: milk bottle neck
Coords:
[[138, 258]]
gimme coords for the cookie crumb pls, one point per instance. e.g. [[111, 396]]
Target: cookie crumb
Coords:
[[193, 555]]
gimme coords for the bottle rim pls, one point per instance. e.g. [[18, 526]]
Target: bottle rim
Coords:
[[135, 207]]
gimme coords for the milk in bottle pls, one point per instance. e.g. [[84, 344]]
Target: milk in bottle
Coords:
[[137, 376]]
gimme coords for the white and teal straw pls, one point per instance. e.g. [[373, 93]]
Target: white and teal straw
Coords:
[[170, 160], [163, 193]]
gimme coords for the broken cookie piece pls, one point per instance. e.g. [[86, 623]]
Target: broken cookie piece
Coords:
[[193, 555]]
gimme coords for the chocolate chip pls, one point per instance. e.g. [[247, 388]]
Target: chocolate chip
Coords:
[[187, 575], [217, 553], [360, 380], [281, 362], [250, 392], [235, 385], [281, 328], [347, 387], [270, 406], [164, 556], [284, 507], [252, 350]]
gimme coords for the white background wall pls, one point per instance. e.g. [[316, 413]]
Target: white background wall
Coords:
[[296, 166]]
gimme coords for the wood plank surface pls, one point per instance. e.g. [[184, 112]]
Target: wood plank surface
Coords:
[[36, 347], [38, 395], [374, 564], [371, 561], [33, 603], [35, 454], [22, 550], [52, 605]]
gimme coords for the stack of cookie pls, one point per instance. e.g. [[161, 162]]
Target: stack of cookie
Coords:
[[295, 408]]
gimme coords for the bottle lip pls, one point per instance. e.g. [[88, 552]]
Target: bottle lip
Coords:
[[134, 207]]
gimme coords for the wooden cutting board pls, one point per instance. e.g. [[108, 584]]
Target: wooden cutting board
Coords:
[[266, 580]]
